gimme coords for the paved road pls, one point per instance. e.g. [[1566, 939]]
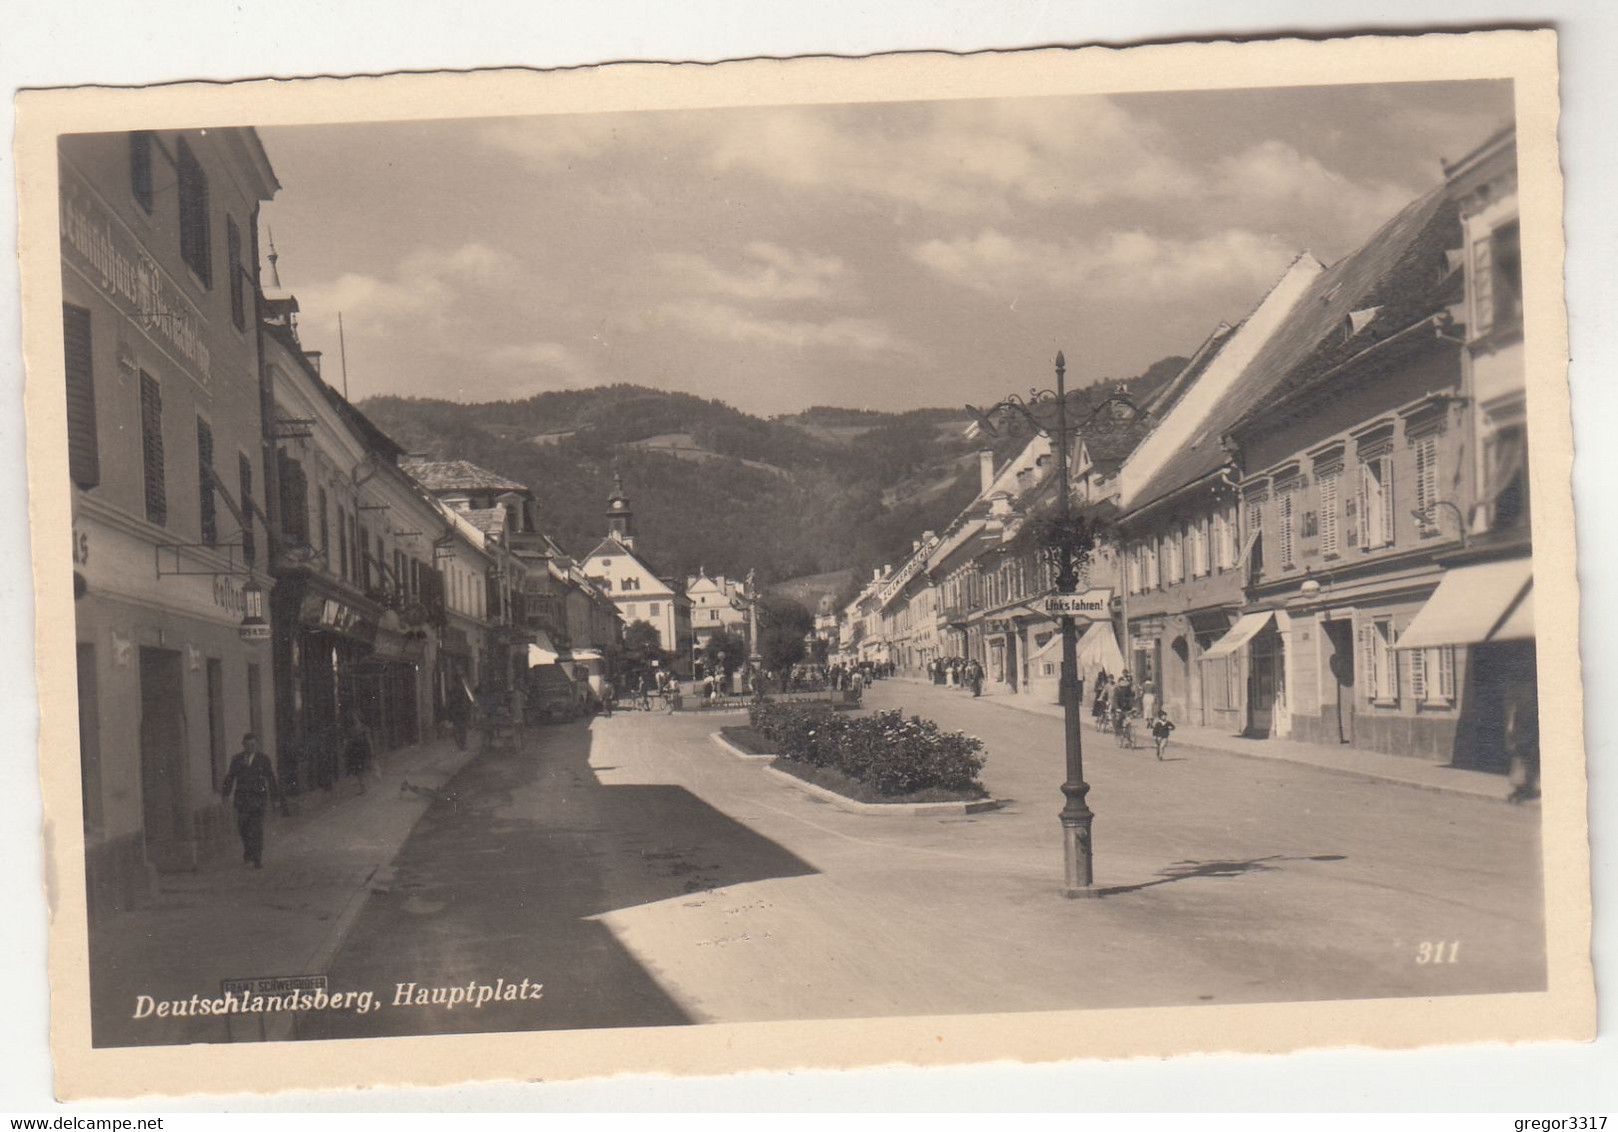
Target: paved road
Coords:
[[645, 877]]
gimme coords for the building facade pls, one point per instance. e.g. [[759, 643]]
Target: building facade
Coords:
[[635, 585], [167, 459]]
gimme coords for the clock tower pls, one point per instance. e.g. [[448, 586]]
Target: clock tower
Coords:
[[620, 519]]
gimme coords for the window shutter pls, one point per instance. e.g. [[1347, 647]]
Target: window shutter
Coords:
[[1368, 661], [244, 471], [1328, 513], [233, 257], [1418, 674], [1388, 509], [209, 522], [151, 437], [195, 241], [1446, 672], [140, 168], [83, 446], [1367, 539]]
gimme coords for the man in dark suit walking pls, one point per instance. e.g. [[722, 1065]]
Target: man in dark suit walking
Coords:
[[252, 778]]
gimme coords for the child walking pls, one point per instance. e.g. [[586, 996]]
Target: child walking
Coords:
[[1161, 726]]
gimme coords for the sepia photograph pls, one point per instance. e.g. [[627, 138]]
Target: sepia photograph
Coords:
[[957, 552]]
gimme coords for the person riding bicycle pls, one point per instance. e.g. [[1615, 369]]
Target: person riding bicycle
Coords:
[[1123, 706]]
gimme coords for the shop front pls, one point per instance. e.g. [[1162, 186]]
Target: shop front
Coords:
[[322, 632], [168, 684]]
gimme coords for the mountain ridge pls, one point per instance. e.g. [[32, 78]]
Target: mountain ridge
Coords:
[[819, 492]]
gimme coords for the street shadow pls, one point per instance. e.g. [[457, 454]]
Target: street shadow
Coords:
[[506, 883], [1195, 870]]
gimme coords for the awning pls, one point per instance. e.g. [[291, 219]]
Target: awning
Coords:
[[1474, 605], [1097, 650], [542, 651], [1248, 626]]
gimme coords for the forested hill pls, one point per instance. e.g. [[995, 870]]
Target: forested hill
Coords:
[[824, 490]]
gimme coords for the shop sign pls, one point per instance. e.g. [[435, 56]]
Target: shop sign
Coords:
[[227, 595], [1091, 605], [100, 247]]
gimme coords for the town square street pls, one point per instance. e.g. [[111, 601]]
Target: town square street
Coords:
[[644, 876]]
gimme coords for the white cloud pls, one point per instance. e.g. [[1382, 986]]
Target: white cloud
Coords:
[[1128, 263], [727, 323], [547, 355], [768, 272], [426, 283]]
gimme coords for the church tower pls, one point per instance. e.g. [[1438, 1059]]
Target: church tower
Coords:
[[620, 519]]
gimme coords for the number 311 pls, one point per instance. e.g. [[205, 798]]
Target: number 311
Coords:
[[1440, 952]]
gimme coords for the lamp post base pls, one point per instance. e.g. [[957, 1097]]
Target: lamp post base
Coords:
[[1079, 873]]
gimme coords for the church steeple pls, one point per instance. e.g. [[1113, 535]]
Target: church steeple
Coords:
[[620, 518]]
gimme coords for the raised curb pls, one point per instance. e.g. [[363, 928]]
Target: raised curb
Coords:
[[894, 809], [725, 744], [1363, 774]]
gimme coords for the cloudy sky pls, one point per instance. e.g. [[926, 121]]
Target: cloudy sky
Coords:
[[883, 256]]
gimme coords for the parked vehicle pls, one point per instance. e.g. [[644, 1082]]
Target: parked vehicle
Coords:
[[553, 695]]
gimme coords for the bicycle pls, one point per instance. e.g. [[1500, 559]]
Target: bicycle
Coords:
[[1123, 729]]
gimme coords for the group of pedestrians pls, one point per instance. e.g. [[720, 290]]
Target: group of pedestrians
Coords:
[[957, 672], [1118, 701]]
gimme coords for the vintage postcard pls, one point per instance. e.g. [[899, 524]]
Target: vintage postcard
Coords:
[[808, 563]]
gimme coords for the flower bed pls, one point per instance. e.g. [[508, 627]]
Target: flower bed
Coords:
[[749, 741], [894, 756]]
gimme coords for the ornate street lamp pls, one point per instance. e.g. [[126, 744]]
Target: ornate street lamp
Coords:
[[253, 627], [1067, 540]]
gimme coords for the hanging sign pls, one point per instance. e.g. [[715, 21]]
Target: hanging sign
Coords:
[[1091, 605]]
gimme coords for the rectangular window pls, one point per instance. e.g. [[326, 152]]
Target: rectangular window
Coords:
[[151, 441], [244, 473], [1376, 502], [195, 237], [1427, 483], [205, 486], [294, 502], [1482, 286], [1505, 252], [233, 259], [342, 543], [1329, 482], [83, 444], [1284, 525], [325, 529], [140, 168], [1380, 662], [1432, 675], [657, 609]]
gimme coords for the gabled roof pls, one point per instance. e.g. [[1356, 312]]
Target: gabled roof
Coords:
[[457, 475], [610, 547], [490, 520], [1397, 279], [1185, 445], [1398, 269]]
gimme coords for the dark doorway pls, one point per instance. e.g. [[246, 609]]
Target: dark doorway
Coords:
[[164, 808], [89, 743], [216, 720], [1340, 636], [1265, 653], [1182, 654]]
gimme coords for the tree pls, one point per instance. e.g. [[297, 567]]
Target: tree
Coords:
[[783, 624], [642, 647], [725, 652]]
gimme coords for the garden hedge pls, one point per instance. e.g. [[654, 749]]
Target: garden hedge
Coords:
[[894, 755]]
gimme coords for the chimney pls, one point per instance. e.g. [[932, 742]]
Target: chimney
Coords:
[[985, 469]]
